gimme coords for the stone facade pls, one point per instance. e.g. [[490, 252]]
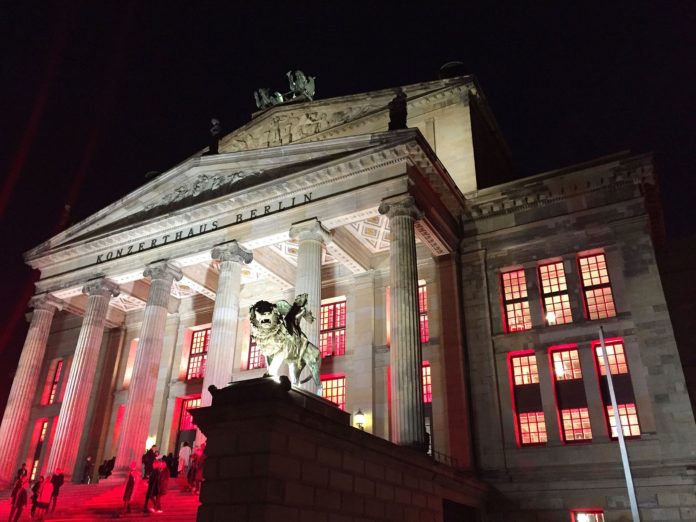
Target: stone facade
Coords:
[[406, 289]]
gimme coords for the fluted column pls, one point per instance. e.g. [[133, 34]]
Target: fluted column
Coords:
[[223, 332], [25, 384], [405, 356], [141, 392], [78, 390], [311, 238]]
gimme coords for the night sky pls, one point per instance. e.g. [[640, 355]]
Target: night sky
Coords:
[[93, 95]]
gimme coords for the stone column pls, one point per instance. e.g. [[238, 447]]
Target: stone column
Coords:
[[25, 384], [311, 238], [141, 392], [78, 390], [223, 332], [405, 356]]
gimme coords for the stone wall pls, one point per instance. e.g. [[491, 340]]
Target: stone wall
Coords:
[[278, 453]]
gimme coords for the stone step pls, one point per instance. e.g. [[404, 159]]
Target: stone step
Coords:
[[103, 501]]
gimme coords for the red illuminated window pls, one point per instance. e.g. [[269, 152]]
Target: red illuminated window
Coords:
[[37, 449], [333, 388], [528, 410], [629, 420], [524, 369], [554, 293], [515, 302], [566, 365], [332, 335], [198, 354], [427, 383], [54, 382], [576, 424], [616, 356], [594, 515], [423, 312], [186, 422], [599, 300], [532, 428], [255, 360]]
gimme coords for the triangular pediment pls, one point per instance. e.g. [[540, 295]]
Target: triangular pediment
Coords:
[[333, 117], [205, 180]]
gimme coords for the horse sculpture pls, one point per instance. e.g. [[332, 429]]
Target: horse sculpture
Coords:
[[276, 328]]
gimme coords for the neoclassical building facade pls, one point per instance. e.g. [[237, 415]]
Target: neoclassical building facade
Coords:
[[457, 307]]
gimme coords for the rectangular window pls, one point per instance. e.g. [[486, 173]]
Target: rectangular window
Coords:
[[569, 390], [333, 388], [554, 292], [596, 286], [566, 365], [423, 312], [186, 422], [525, 370], [594, 515], [43, 429], [576, 424], [332, 335], [255, 360], [616, 356], [198, 354], [623, 387], [629, 420], [427, 383], [530, 426], [515, 302], [52, 395]]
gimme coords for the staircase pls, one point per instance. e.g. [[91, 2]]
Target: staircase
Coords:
[[103, 501]]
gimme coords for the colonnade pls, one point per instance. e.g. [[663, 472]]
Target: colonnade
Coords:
[[312, 237]]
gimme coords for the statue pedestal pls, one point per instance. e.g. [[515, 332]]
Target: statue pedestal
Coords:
[[277, 452]]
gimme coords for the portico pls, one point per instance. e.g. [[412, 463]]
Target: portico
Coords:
[[292, 219]]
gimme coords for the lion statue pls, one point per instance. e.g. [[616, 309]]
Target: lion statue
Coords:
[[276, 328]]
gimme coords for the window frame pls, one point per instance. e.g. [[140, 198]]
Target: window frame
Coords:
[[335, 377], [599, 286], [560, 293], [427, 382], [521, 300], [511, 356], [424, 333], [202, 354], [258, 361], [335, 336]]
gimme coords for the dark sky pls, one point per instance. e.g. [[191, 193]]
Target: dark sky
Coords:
[[93, 95]]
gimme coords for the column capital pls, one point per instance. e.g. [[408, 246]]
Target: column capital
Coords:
[[163, 270], [232, 251], [46, 302], [101, 286], [400, 206], [310, 229]]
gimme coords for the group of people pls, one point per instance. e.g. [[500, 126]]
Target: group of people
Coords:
[[158, 469], [44, 494]]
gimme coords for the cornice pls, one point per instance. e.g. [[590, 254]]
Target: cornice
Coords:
[[548, 188], [387, 152]]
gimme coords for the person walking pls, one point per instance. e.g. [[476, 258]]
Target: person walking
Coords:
[[129, 490], [198, 475], [34, 494], [163, 485], [21, 472], [57, 480], [149, 459], [184, 458], [87, 471], [19, 500], [152, 489], [43, 498]]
